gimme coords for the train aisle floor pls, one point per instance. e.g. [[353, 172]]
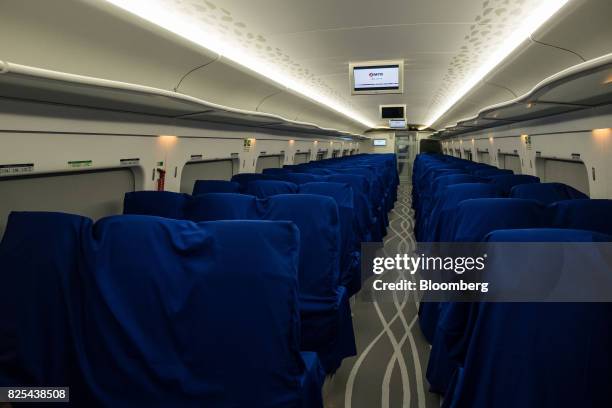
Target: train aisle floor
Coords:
[[389, 369]]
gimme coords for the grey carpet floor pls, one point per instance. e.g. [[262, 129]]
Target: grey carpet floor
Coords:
[[389, 369]]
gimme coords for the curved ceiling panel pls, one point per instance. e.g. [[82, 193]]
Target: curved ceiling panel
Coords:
[[77, 37], [582, 27]]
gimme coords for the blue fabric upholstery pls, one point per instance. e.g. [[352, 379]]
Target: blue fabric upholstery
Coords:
[[39, 258], [361, 191], [546, 193], [437, 190], [440, 229], [475, 218], [215, 186], [350, 272], [593, 214], [266, 188], [160, 203], [487, 172], [150, 342], [191, 273], [506, 182], [245, 178], [323, 302], [523, 347], [441, 220], [301, 178]]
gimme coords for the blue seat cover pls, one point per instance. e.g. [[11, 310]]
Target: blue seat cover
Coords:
[[524, 347], [506, 182], [266, 188], [589, 214], [215, 186], [159, 203], [546, 193]]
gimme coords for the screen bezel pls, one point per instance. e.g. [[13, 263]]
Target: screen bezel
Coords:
[[376, 64]]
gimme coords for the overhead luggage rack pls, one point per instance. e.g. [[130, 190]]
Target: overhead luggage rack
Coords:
[[579, 87], [40, 85]]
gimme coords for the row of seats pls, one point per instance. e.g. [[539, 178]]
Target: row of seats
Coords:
[[137, 311], [323, 208], [511, 354], [220, 299]]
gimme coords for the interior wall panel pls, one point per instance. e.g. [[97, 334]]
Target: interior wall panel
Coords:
[[93, 194]]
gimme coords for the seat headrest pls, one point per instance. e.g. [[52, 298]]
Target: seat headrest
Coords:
[[236, 279], [342, 193], [244, 178], [491, 172], [475, 218], [301, 178], [547, 235], [215, 186], [221, 206], [159, 203], [589, 214], [507, 181], [546, 193], [456, 193], [266, 188], [445, 180]]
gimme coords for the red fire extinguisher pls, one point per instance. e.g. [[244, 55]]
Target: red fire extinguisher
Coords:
[[161, 180]]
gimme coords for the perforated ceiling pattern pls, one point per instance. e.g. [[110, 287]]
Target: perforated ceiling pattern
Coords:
[[497, 20], [220, 23]]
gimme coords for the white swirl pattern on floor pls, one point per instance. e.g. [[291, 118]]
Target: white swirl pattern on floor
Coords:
[[392, 354]]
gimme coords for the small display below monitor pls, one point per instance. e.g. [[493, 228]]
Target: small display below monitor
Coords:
[[397, 124], [379, 142]]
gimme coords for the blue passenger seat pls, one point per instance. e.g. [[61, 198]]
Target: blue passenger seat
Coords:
[[546, 193], [215, 186], [589, 214], [266, 188], [326, 319], [517, 353], [159, 203]]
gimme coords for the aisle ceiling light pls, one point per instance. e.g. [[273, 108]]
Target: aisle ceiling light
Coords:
[[535, 20], [156, 12]]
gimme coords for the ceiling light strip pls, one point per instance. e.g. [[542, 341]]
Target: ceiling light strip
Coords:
[[155, 13], [535, 20]]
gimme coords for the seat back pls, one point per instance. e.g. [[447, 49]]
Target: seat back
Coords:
[[534, 337], [546, 193], [475, 218], [440, 223], [245, 178], [301, 178], [159, 203], [215, 186], [488, 172], [349, 227], [315, 216], [39, 256], [589, 214], [266, 188], [179, 305], [506, 182]]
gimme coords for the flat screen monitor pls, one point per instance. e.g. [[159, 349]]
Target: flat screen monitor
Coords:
[[392, 111], [377, 77], [379, 142]]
